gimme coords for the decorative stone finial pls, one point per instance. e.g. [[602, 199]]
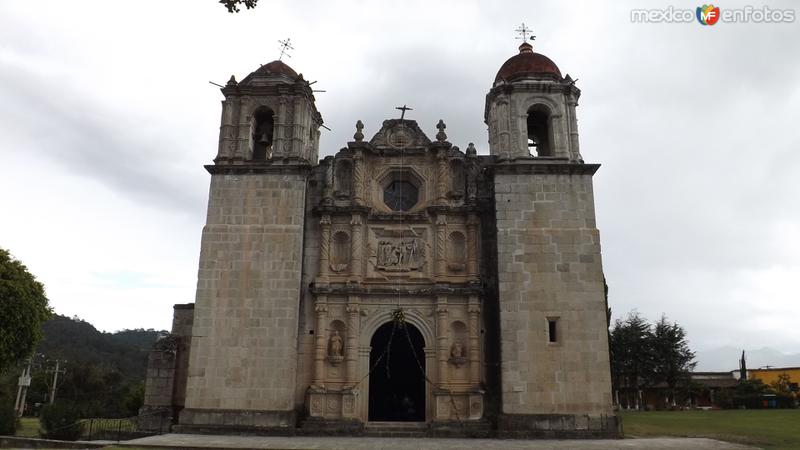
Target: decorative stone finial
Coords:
[[441, 136], [471, 150], [232, 81], [359, 136]]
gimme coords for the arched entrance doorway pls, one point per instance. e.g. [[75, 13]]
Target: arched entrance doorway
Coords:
[[397, 384]]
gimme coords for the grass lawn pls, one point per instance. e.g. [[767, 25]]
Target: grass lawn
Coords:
[[28, 427], [770, 429]]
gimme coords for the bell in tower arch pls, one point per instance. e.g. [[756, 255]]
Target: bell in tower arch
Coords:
[[263, 134]]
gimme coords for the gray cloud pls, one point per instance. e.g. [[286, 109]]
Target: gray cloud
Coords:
[[694, 126], [119, 151]]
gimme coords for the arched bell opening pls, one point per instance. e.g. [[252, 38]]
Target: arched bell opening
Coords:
[[540, 133], [263, 133], [397, 380]]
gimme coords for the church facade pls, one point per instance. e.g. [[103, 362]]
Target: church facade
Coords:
[[401, 280]]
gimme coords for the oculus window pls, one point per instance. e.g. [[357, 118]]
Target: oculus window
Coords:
[[400, 195]]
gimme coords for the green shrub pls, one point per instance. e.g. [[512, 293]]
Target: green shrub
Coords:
[[723, 399], [8, 417], [61, 420]]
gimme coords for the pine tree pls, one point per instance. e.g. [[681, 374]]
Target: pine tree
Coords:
[[673, 359]]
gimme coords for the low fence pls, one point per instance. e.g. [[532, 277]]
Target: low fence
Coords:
[[157, 422]]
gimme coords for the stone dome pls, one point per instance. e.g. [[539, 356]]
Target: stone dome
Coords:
[[276, 68], [527, 64]]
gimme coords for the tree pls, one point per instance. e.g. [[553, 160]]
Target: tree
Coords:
[[632, 356], [233, 5], [783, 385], [673, 360], [23, 309]]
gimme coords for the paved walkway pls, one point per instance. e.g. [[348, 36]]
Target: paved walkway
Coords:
[[195, 441]]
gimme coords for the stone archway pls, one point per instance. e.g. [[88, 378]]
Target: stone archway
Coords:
[[397, 382]]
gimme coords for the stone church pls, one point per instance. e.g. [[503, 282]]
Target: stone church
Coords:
[[400, 284]]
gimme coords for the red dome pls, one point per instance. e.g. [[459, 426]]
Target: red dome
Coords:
[[527, 63], [276, 68]]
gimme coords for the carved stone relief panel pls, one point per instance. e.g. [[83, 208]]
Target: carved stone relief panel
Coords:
[[400, 254], [399, 251]]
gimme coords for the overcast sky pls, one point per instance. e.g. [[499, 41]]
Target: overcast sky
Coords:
[[107, 118]]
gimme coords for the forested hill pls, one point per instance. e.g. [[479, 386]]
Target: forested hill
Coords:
[[79, 342]]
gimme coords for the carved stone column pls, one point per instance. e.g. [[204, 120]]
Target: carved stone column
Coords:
[[441, 245], [327, 191], [324, 247], [442, 177], [559, 146], [474, 310], [359, 177], [351, 346], [472, 246], [228, 129], [279, 133], [574, 145], [356, 249], [320, 343], [441, 339], [243, 140], [297, 128]]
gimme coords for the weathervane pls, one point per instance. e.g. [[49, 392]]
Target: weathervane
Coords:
[[285, 47], [524, 31], [403, 108]]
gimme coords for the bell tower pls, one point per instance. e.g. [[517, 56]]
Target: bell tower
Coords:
[[243, 358], [530, 109], [269, 117], [554, 364]]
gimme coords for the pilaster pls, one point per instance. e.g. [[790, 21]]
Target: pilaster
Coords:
[[351, 346], [320, 343]]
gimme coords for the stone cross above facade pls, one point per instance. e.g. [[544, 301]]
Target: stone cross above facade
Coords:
[[403, 108]]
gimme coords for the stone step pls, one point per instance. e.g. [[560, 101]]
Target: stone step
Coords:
[[397, 425], [396, 429]]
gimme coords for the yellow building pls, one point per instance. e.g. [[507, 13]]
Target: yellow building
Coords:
[[770, 376]]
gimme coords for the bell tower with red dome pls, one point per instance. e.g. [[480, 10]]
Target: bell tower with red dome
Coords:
[[554, 360], [530, 109]]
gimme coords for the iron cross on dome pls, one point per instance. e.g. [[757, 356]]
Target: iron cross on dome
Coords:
[[524, 31]]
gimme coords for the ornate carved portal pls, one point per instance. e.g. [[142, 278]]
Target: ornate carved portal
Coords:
[[400, 231]]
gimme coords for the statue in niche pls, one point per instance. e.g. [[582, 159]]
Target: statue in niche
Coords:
[[401, 255], [336, 345], [457, 356], [335, 348]]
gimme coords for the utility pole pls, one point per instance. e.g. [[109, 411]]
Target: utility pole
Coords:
[[55, 381], [22, 391]]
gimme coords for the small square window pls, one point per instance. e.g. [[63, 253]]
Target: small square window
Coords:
[[552, 330]]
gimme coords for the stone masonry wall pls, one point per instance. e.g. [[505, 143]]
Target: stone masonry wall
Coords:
[[243, 355], [182, 319], [549, 266]]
